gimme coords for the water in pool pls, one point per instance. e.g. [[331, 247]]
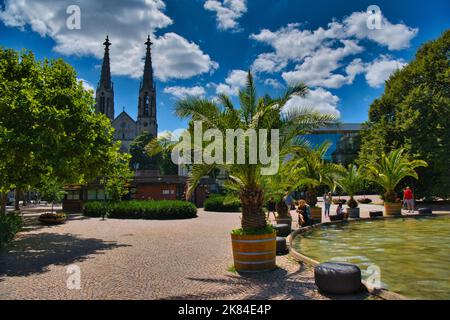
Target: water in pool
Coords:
[[413, 255]]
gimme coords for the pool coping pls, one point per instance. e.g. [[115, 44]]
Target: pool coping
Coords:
[[379, 292]]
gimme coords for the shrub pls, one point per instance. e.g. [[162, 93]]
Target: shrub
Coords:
[[10, 224], [149, 210], [365, 200], [216, 204]]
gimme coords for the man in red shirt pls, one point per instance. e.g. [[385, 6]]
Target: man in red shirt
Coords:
[[408, 198]]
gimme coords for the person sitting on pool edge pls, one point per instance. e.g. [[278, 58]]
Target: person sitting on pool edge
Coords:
[[342, 215], [303, 211]]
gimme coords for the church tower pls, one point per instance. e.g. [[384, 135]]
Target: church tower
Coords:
[[146, 121], [105, 91]]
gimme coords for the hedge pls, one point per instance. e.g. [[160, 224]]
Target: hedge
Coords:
[[216, 204], [10, 224], [149, 210]]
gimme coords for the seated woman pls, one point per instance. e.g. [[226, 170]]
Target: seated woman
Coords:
[[340, 213], [303, 213]]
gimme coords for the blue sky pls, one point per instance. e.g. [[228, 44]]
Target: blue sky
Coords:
[[204, 47]]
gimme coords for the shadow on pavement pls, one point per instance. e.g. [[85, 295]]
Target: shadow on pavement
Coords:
[[34, 253]]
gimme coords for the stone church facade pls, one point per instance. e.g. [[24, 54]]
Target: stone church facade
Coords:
[[126, 129]]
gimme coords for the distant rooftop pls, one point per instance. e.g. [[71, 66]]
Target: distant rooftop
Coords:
[[340, 127]]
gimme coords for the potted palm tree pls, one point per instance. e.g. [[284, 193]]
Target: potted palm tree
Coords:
[[313, 172], [254, 244], [351, 181], [388, 172]]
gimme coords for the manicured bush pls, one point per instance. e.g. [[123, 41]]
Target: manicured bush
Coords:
[[149, 210], [10, 224], [218, 204]]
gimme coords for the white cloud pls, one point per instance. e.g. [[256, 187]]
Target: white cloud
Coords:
[[393, 36], [379, 70], [317, 70], [273, 83], [174, 135], [127, 24], [319, 57], [184, 92], [227, 12], [319, 100], [236, 80], [87, 85]]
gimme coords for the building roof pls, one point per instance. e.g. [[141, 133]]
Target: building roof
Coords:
[[339, 127]]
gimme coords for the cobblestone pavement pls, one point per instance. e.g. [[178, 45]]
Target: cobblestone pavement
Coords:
[[135, 259]]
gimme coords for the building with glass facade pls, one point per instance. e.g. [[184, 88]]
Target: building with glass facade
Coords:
[[345, 141]]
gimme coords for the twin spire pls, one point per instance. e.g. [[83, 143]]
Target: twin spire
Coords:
[[105, 78]]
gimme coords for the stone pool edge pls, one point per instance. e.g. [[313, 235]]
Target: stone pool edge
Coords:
[[381, 293]]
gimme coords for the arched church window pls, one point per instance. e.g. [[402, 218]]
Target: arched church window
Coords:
[[146, 104]]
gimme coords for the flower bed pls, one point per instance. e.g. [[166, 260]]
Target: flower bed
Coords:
[[52, 218], [151, 210]]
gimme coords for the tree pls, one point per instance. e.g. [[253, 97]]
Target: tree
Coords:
[[254, 113], [48, 126], [116, 180], [414, 114], [51, 190], [391, 169], [139, 157], [351, 181], [314, 171]]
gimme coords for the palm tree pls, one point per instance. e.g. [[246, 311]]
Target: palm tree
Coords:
[[391, 169], [351, 181], [315, 171], [254, 113]]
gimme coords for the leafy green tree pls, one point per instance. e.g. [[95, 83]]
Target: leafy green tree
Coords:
[[116, 180], [51, 190], [351, 181], [139, 156], [414, 114], [48, 126], [391, 169], [254, 113]]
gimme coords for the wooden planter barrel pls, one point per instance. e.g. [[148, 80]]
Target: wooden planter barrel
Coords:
[[316, 214], [392, 209], [254, 253]]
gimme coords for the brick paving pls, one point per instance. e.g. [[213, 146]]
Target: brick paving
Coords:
[[135, 259]]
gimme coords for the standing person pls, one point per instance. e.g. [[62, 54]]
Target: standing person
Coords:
[[271, 208], [288, 200], [408, 198], [327, 199]]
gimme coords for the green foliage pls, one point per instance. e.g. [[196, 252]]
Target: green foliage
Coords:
[[218, 203], [48, 127], [413, 113], [351, 181], [151, 153], [150, 210], [10, 224], [245, 180], [117, 178], [313, 171], [253, 231], [51, 190], [391, 169]]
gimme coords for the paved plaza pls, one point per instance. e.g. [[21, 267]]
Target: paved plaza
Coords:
[[138, 259]]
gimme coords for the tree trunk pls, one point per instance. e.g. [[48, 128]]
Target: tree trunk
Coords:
[[282, 209], [311, 197], [253, 216], [3, 196], [16, 199]]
